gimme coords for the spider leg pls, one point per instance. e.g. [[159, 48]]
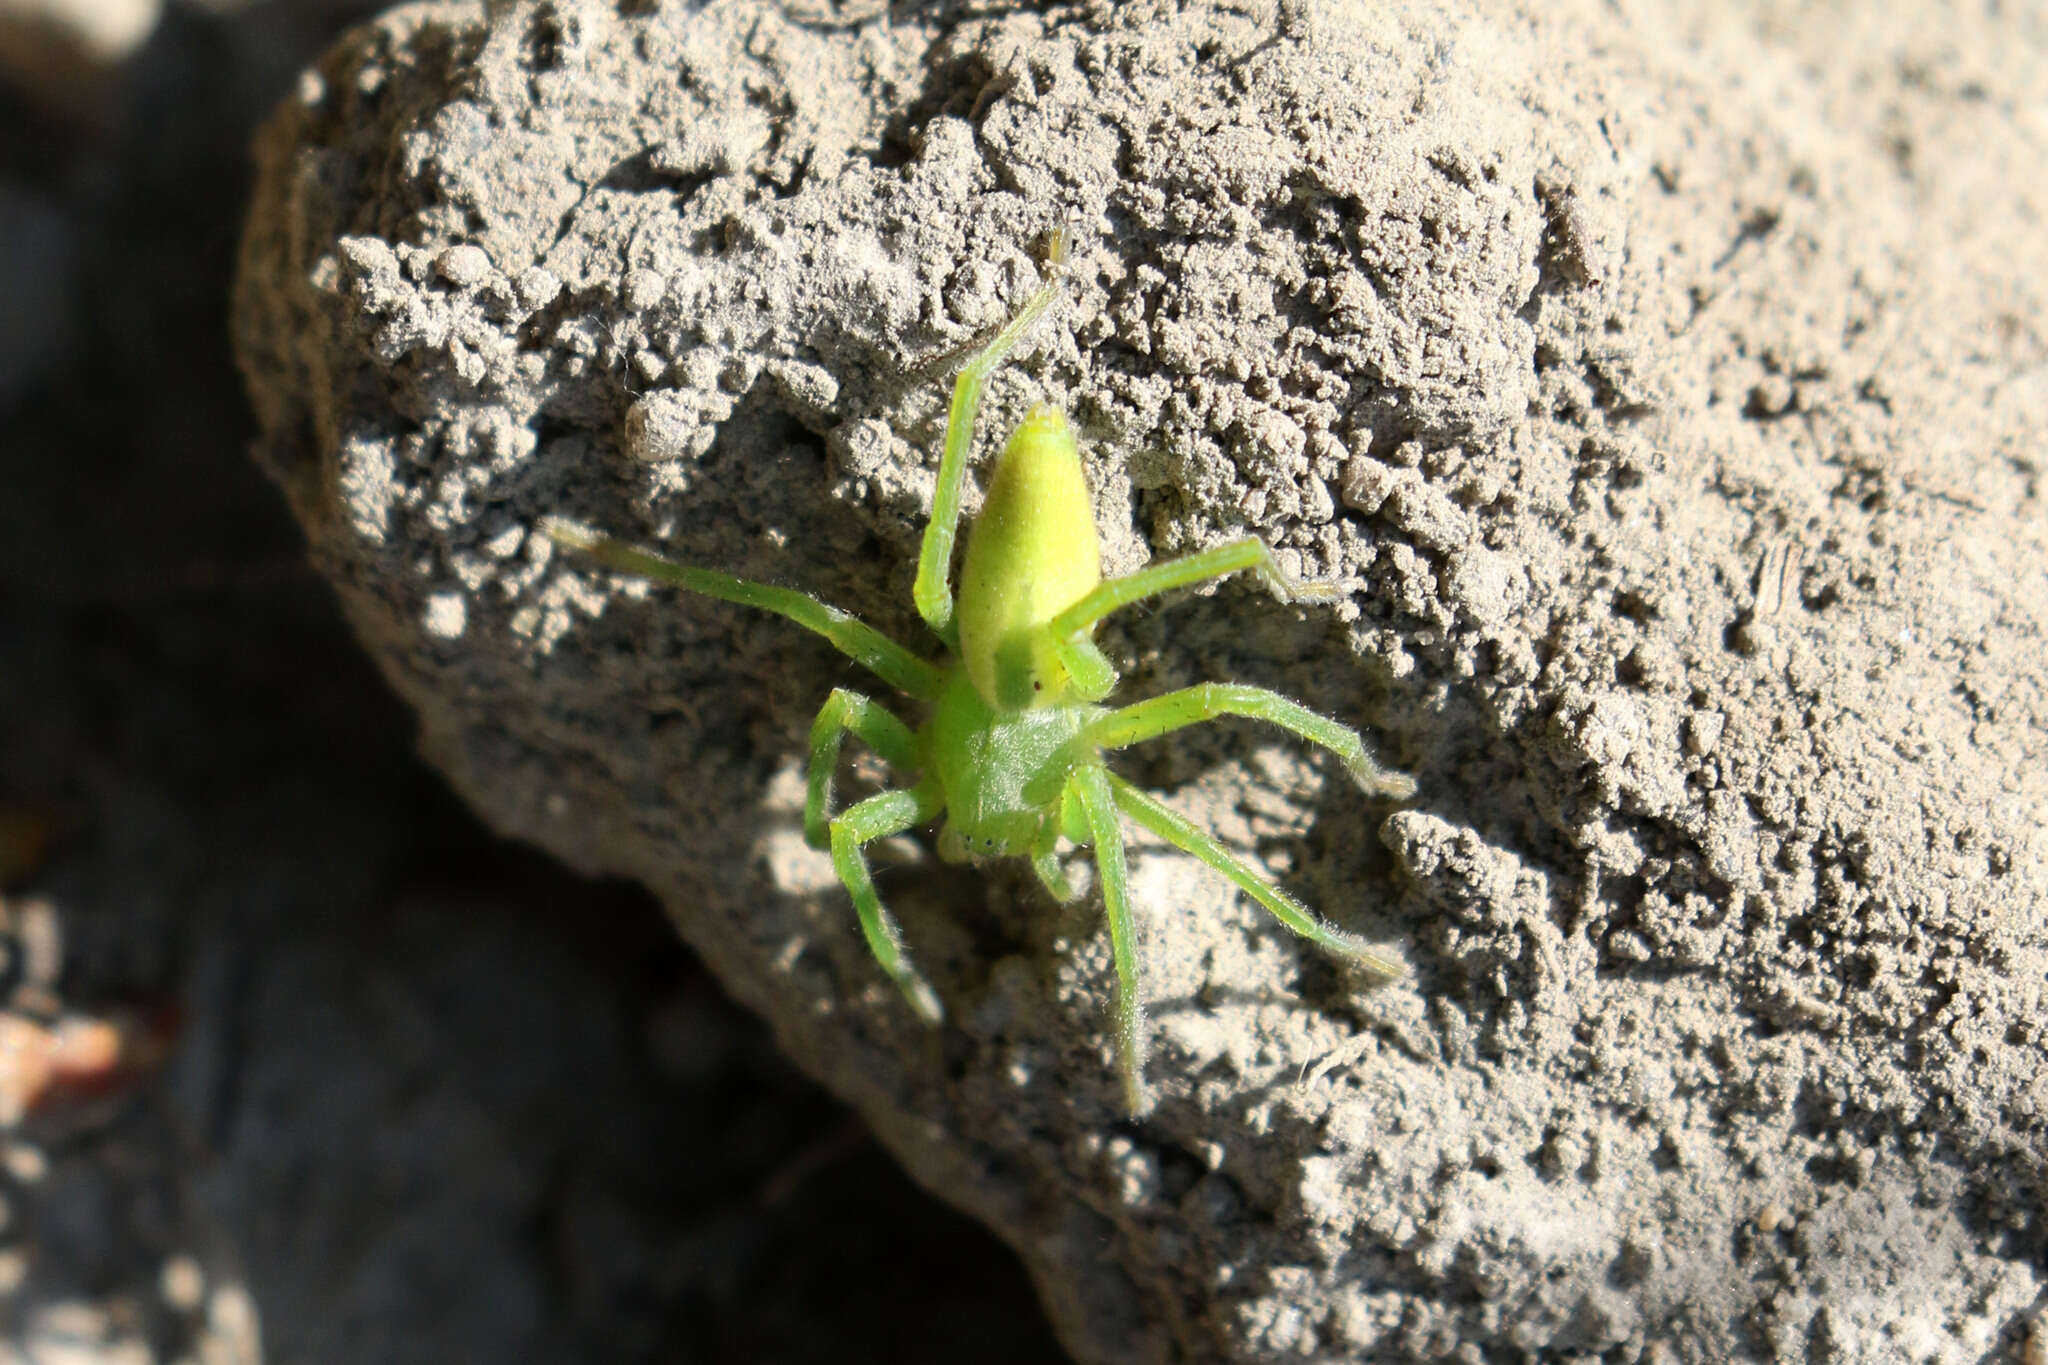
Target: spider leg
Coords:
[[878, 817], [860, 642], [1182, 834], [1090, 674], [1090, 784], [882, 732], [933, 591], [1056, 878], [1218, 561], [1128, 725]]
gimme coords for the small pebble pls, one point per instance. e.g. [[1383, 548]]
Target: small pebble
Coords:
[[182, 1283], [25, 1163], [666, 425], [447, 616], [463, 266]]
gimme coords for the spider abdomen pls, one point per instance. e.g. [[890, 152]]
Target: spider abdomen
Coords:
[[1031, 554]]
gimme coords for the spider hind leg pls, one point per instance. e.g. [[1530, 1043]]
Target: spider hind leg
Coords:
[[1184, 835], [1090, 784]]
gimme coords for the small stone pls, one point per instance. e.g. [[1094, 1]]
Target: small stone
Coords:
[[26, 1164], [1774, 397], [463, 266], [1366, 484], [666, 425], [182, 1283], [447, 615], [506, 543], [537, 288], [645, 288], [1703, 731]]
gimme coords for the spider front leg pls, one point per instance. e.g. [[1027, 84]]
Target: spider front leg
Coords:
[[878, 817], [1089, 784], [1218, 561], [881, 731], [933, 592]]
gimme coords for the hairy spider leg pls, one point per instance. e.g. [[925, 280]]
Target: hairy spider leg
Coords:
[[1176, 710], [1102, 794], [933, 591], [1090, 785], [1149, 812], [1067, 637], [845, 711], [857, 640], [878, 817], [1218, 561], [1044, 858]]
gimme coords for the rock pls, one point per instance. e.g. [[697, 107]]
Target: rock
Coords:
[[1504, 283]]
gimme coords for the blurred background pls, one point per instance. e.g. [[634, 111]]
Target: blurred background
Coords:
[[297, 1062]]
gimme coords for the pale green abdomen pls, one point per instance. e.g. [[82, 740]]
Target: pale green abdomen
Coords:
[[1031, 554]]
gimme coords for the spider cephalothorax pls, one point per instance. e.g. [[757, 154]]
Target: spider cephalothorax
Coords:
[[1011, 749]]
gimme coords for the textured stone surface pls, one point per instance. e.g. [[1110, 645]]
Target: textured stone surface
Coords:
[[1664, 391]]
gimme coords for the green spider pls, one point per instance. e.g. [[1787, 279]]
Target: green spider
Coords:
[[1011, 751]]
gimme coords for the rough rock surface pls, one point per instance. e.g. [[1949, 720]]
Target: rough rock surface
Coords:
[[1665, 391]]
